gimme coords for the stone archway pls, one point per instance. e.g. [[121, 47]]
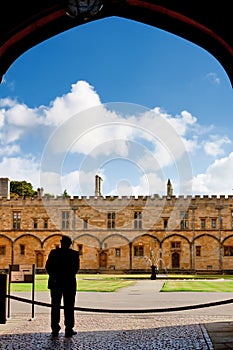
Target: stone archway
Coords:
[[26, 24]]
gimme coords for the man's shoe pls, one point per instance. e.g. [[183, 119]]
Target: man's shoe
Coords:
[[55, 334], [70, 333]]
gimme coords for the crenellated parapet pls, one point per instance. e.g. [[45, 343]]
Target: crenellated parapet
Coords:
[[110, 200], [152, 197]]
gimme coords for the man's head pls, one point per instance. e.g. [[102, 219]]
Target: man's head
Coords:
[[66, 242]]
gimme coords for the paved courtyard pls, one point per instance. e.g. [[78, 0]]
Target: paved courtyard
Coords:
[[180, 330], [104, 331]]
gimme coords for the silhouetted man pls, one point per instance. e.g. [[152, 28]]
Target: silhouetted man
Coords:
[[62, 265]]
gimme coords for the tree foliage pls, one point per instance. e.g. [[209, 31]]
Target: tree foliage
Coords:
[[65, 194], [21, 189]]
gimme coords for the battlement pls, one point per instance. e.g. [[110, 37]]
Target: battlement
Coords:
[[155, 198]]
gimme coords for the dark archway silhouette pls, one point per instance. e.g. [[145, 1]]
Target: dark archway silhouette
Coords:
[[24, 24]]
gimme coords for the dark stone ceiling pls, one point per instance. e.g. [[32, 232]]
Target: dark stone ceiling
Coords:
[[207, 23]]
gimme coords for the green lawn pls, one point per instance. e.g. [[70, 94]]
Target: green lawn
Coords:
[[90, 283], [199, 277], [198, 286], [100, 285]]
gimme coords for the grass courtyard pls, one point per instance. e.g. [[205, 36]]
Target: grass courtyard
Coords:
[[112, 283]]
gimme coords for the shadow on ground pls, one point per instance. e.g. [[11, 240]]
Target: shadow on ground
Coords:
[[186, 337]]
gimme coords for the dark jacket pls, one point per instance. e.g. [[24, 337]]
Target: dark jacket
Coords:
[[62, 266]]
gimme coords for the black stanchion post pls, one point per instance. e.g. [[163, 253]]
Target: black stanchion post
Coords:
[[33, 291], [3, 298], [9, 293], [154, 271]]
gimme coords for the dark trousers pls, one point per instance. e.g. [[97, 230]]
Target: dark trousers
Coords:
[[68, 295]]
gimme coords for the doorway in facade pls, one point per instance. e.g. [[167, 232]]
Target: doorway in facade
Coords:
[[175, 260], [39, 259], [103, 260]]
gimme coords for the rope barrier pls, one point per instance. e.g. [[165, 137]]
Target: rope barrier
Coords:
[[129, 311]]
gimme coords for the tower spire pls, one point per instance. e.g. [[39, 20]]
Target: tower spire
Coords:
[[169, 188]]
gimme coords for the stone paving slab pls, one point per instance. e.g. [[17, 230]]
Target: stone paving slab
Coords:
[[221, 334]]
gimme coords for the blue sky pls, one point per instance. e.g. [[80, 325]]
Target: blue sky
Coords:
[[133, 103]]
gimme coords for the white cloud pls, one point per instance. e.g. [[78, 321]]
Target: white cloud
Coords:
[[79, 183], [18, 119], [215, 146], [81, 97], [9, 150], [75, 182], [152, 139], [95, 126], [70, 182], [2, 118], [213, 78], [51, 183], [103, 139], [191, 144], [16, 168], [7, 102], [217, 179], [148, 184], [21, 116], [182, 122]]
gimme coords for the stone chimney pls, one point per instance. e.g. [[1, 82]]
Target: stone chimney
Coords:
[[40, 192], [98, 180], [5, 187], [169, 188]]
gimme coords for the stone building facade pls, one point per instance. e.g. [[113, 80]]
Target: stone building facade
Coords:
[[121, 234]]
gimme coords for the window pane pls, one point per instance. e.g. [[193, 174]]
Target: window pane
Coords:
[[65, 220], [138, 251], [202, 223], [16, 220], [213, 223], [22, 249], [111, 220], [118, 252], [228, 250], [2, 250], [137, 219], [198, 250]]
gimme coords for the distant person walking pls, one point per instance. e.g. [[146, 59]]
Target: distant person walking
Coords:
[[62, 265]]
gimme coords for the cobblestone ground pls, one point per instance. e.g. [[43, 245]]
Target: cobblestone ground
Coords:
[[110, 332]]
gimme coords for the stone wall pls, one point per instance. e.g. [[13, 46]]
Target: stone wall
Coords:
[[162, 235]]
